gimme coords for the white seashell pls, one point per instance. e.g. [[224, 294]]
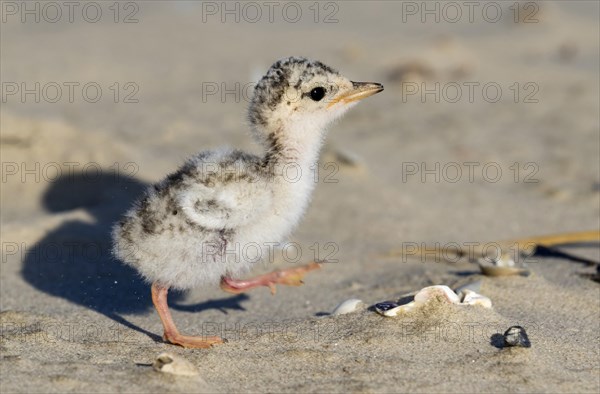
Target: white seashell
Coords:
[[469, 297], [347, 306], [505, 261], [176, 365], [502, 266], [428, 293]]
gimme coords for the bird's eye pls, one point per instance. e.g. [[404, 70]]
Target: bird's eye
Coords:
[[317, 93]]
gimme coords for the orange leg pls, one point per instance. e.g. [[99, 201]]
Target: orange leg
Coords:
[[290, 277], [172, 335]]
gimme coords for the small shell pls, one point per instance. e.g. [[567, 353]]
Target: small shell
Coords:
[[516, 336], [469, 297], [503, 266], [432, 292], [176, 365], [473, 286], [347, 306], [391, 309]]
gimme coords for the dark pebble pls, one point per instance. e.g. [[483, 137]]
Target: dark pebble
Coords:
[[516, 336]]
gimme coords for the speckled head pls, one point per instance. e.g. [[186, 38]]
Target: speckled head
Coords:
[[298, 97]]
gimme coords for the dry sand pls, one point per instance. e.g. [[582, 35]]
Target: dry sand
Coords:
[[74, 320]]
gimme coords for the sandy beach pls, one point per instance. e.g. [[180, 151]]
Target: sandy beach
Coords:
[[488, 129]]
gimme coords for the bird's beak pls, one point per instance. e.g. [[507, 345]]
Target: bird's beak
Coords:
[[359, 91]]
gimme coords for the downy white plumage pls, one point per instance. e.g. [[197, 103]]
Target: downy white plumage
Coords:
[[191, 228]]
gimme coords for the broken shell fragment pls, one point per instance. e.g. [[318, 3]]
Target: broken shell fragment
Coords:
[[502, 266], [176, 365], [391, 309], [516, 336], [473, 286], [436, 292], [387, 308], [469, 297], [347, 306]]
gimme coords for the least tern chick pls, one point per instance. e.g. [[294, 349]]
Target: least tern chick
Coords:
[[192, 228]]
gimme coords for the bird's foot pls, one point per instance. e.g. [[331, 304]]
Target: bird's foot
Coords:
[[191, 342], [289, 277]]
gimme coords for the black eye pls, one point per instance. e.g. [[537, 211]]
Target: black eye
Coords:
[[317, 93]]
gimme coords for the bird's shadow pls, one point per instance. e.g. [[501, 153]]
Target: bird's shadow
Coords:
[[75, 261], [222, 304]]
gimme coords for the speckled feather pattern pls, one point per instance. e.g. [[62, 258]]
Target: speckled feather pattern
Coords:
[[270, 90], [177, 232]]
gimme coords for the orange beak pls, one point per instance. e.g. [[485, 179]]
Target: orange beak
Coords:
[[359, 91]]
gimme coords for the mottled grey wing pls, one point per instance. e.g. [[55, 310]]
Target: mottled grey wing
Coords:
[[225, 206]]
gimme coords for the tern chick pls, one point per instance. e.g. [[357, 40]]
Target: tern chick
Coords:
[[191, 228]]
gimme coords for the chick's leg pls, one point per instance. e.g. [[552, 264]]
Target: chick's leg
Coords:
[[172, 335], [290, 277]]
